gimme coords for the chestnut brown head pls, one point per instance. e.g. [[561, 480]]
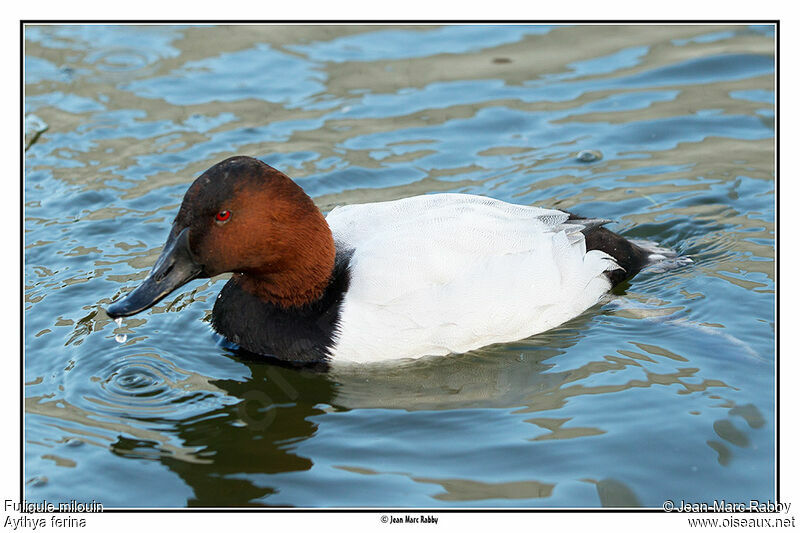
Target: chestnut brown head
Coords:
[[245, 217]]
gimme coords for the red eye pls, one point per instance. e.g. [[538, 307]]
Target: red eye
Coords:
[[222, 216]]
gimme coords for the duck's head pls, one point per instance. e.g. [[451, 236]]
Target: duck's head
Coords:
[[245, 217]]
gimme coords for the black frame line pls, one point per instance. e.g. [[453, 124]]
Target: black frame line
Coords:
[[390, 510]]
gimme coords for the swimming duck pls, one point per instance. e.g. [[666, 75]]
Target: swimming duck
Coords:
[[426, 275]]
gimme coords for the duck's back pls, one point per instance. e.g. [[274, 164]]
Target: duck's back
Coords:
[[448, 273]]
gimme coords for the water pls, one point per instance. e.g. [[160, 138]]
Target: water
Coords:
[[665, 391]]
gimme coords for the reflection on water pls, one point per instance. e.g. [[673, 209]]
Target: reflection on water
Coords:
[[665, 391]]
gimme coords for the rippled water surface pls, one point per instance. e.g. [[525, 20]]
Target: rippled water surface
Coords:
[[665, 391]]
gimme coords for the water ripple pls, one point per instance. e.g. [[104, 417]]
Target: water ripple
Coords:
[[145, 385]]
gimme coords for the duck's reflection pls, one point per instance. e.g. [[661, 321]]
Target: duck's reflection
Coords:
[[254, 436], [277, 405]]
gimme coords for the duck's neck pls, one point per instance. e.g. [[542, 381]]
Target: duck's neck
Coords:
[[287, 289], [301, 334], [300, 265]]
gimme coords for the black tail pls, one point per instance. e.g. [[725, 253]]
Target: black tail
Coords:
[[631, 257]]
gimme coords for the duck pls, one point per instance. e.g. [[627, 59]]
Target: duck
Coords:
[[428, 275]]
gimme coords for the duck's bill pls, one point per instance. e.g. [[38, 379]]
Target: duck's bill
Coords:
[[175, 267]]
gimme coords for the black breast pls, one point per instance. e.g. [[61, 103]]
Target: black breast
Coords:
[[299, 334]]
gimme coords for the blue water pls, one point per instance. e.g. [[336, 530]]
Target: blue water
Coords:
[[665, 391]]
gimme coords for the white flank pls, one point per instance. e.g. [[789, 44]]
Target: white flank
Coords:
[[448, 273]]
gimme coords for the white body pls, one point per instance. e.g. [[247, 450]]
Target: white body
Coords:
[[448, 273]]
